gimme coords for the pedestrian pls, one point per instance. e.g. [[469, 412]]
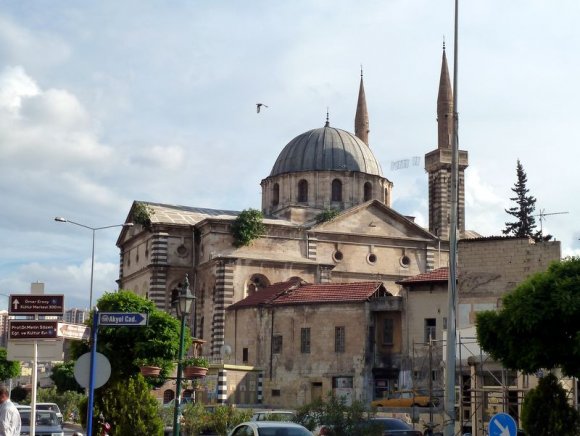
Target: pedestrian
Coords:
[[9, 415]]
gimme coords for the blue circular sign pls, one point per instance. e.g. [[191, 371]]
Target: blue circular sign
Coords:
[[502, 424]]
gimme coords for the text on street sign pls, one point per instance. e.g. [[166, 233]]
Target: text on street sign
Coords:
[[27, 304], [31, 329], [122, 319]]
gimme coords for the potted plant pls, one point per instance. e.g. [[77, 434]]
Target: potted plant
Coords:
[[195, 367], [149, 367]]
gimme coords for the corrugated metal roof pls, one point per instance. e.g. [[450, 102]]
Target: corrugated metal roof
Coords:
[[326, 149], [295, 292]]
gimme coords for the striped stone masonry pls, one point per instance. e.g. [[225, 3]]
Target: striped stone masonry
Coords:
[[260, 398], [430, 260], [224, 296], [158, 280], [312, 244], [222, 386]]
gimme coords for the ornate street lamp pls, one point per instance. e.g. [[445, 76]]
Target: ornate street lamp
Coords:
[[183, 301]]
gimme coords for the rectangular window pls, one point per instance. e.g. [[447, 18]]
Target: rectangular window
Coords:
[[388, 327], [275, 392], [277, 344], [305, 340], [339, 335], [430, 328], [245, 355]]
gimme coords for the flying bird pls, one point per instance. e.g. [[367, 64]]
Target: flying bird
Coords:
[[259, 106]]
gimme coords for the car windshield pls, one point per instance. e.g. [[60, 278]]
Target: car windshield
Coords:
[[283, 431], [42, 418], [393, 424]]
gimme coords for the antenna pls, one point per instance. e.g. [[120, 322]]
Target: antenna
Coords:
[[543, 216]]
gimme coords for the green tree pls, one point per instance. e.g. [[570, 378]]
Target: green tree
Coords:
[[340, 419], [8, 368], [247, 227], [63, 377], [546, 412], [124, 346], [130, 408], [525, 224], [537, 326], [327, 215], [68, 401]]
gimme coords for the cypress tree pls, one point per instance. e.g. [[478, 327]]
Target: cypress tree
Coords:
[[525, 224]]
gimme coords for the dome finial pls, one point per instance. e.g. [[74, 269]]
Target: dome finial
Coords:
[[327, 124], [361, 71], [443, 42]]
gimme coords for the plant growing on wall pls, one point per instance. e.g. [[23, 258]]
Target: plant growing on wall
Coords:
[[142, 215], [327, 215], [247, 227]]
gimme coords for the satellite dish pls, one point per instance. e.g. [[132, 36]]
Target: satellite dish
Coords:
[[225, 350], [82, 370]]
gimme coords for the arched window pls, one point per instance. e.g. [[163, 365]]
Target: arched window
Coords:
[[302, 191], [368, 191], [168, 395], [256, 282], [336, 190], [275, 194]]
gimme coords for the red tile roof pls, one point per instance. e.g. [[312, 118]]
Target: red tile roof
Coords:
[[290, 293], [437, 275]]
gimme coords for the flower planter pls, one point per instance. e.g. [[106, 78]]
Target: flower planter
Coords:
[[150, 371], [194, 371]]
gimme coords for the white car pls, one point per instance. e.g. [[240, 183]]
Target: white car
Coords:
[[52, 407], [269, 428], [274, 415]]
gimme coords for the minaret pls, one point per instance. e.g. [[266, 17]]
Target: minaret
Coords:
[[361, 119], [438, 164]]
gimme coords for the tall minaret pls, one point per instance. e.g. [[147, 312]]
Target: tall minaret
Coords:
[[361, 119], [438, 164]]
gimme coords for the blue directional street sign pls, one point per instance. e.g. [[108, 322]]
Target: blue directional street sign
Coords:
[[122, 319], [502, 424]]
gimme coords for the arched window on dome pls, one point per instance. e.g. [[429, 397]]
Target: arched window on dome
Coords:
[[255, 283], [275, 194], [302, 191], [368, 191], [336, 190]]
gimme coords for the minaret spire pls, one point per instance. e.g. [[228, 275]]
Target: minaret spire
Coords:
[[444, 105], [361, 119]]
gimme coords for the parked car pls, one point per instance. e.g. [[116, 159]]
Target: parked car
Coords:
[[50, 406], [269, 428], [274, 415], [406, 398], [393, 427], [47, 423]]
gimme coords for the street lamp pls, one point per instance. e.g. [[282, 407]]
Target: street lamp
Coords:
[[93, 229], [182, 300]]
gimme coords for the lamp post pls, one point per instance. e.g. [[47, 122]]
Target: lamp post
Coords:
[[93, 229], [182, 300]]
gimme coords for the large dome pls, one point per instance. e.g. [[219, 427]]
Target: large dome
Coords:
[[326, 149]]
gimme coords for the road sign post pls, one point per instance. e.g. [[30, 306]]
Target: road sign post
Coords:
[[32, 304], [107, 319], [502, 424]]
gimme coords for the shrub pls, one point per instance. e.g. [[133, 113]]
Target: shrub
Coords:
[[247, 227]]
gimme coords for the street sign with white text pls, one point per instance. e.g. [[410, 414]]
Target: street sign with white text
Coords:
[[31, 329], [122, 319], [28, 304], [73, 331]]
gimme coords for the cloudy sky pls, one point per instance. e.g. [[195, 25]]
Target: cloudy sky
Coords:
[[105, 102]]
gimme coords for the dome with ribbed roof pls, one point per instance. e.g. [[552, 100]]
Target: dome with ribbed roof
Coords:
[[326, 149]]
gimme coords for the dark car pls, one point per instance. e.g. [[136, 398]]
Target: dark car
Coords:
[[392, 427]]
